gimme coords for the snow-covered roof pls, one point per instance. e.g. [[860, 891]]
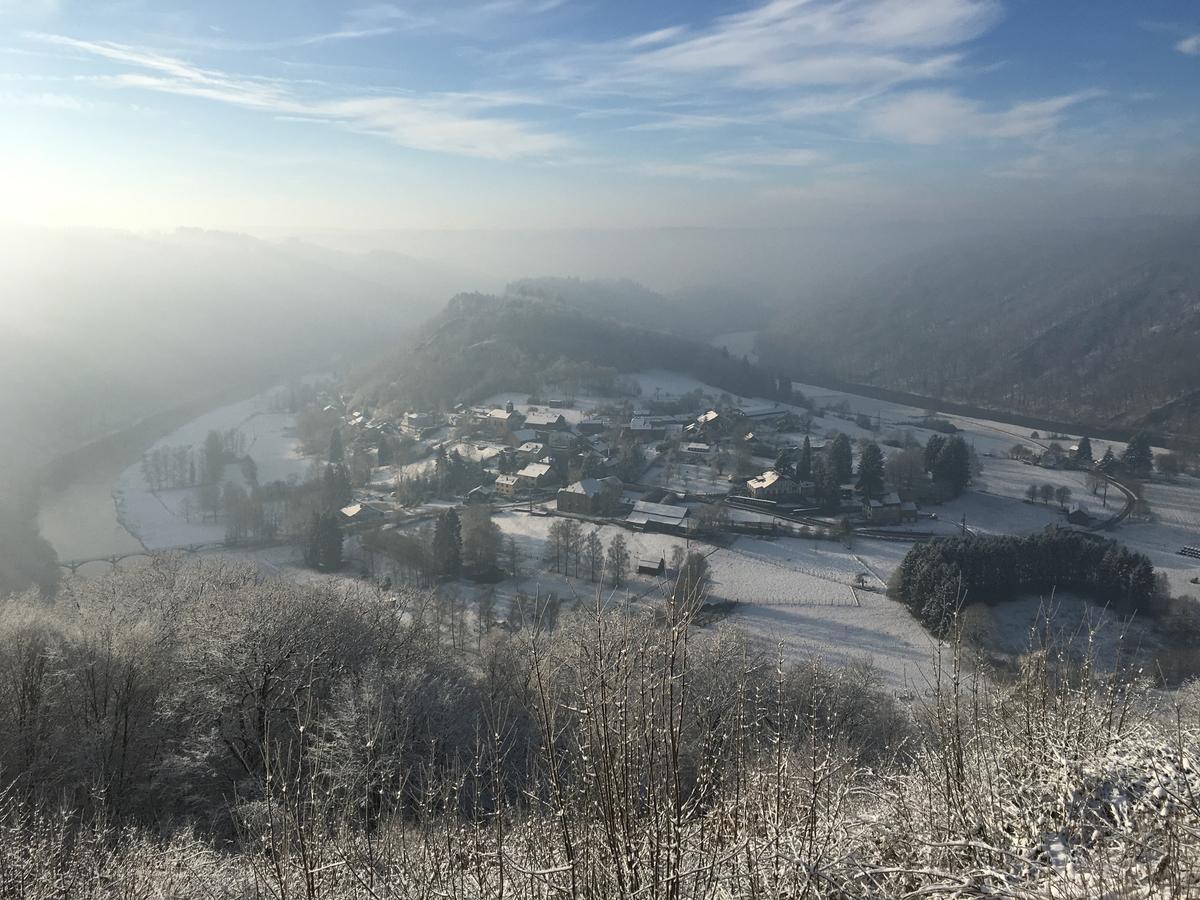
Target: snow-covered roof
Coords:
[[506, 479], [535, 470], [591, 487], [765, 480], [644, 510], [711, 416]]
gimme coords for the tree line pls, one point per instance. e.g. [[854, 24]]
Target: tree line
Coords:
[[937, 577]]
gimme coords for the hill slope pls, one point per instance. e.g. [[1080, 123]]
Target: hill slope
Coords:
[[482, 344], [697, 312], [1099, 328]]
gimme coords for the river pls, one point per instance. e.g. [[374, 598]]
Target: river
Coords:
[[76, 510]]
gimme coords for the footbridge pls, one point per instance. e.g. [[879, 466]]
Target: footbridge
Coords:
[[74, 565]]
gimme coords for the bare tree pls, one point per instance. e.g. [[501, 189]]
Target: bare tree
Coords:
[[617, 560]]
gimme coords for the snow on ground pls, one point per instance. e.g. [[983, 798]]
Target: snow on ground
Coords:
[[992, 514], [272, 444], [1174, 523], [663, 384], [164, 520], [791, 593], [995, 503], [1012, 478], [796, 594], [580, 410], [684, 477], [1020, 625]]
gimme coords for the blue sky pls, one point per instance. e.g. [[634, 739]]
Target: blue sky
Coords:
[[572, 113]]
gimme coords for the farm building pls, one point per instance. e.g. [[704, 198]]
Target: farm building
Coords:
[[506, 485], [659, 517], [889, 510], [535, 475], [591, 496], [361, 515], [652, 566], [771, 485]]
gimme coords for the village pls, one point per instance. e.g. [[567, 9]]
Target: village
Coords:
[[791, 516], [732, 467]]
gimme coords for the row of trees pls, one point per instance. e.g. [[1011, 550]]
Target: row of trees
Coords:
[[468, 544], [1048, 493], [175, 467], [948, 462], [571, 552], [936, 578]]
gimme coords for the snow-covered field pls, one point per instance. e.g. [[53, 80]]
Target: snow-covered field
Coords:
[[1064, 620], [1174, 523], [684, 477], [171, 518], [792, 593]]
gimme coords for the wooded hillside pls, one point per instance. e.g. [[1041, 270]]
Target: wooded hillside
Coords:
[[1098, 327]]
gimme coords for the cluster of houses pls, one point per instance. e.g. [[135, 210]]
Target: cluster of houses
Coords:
[[529, 450]]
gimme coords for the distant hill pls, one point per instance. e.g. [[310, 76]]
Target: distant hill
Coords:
[[483, 344], [699, 312], [1099, 326]]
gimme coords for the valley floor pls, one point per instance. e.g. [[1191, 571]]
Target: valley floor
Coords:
[[792, 595]]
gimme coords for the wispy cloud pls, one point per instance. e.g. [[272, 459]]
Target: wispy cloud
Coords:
[[796, 42], [1189, 45], [661, 36], [936, 117], [449, 16], [304, 40], [454, 123], [778, 60]]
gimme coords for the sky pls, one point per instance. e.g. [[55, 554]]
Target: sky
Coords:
[[279, 115]]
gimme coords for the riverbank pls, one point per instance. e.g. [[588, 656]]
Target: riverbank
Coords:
[[77, 509], [167, 519]]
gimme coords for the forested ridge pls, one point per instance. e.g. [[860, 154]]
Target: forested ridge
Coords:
[[481, 344]]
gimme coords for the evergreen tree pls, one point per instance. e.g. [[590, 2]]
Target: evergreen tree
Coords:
[[783, 463], [336, 490], [1108, 463], [953, 465], [447, 544], [214, 458], [932, 448], [1083, 453], [805, 463], [841, 460], [337, 452], [1138, 459], [870, 470], [323, 543], [826, 490]]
